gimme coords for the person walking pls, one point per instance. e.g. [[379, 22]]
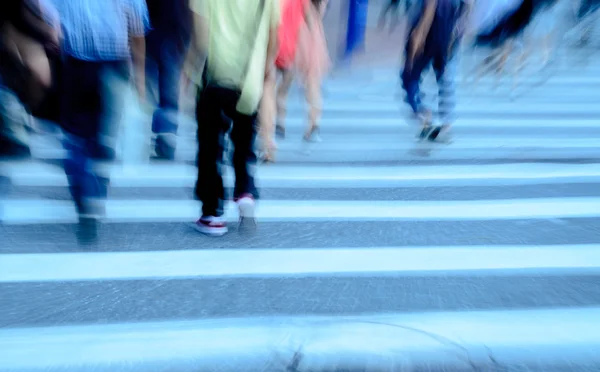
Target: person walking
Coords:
[[273, 105], [434, 36], [100, 40], [311, 63], [239, 40]]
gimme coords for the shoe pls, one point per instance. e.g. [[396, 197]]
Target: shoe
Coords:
[[14, 150], [165, 146], [247, 206], [280, 131], [313, 135], [211, 226], [440, 134], [424, 133], [87, 230]]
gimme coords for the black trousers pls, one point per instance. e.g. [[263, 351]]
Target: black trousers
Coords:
[[216, 115]]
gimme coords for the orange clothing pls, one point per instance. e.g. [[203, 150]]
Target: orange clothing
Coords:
[[292, 18]]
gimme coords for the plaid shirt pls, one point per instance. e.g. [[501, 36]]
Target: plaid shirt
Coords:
[[99, 30]]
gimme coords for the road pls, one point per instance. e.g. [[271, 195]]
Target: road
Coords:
[[372, 249]]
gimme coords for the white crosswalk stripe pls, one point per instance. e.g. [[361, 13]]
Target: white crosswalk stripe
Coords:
[[431, 255]]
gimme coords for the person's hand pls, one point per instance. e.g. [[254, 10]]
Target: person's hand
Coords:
[[269, 72], [186, 81], [140, 86]]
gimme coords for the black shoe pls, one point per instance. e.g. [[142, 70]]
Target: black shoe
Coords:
[[104, 153], [12, 149], [87, 230], [440, 134], [280, 131], [425, 132], [165, 146]]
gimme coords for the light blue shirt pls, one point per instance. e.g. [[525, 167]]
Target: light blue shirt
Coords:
[[99, 30]]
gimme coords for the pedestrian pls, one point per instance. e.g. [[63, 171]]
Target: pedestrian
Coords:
[[311, 64], [239, 40], [97, 39], [433, 39], [166, 45], [273, 105], [275, 95]]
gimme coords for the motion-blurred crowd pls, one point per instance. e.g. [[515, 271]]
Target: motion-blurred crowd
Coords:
[[69, 62]]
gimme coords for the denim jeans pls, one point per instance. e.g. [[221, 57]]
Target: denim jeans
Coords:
[[86, 115], [445, 72], [163, 70]]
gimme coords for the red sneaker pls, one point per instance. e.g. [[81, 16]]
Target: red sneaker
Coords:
[[211, 225]]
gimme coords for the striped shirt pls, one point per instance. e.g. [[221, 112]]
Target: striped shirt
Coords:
[[99, 30]]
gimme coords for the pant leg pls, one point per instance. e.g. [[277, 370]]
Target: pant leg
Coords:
[[169, 60], [209, 183], [152, 57], [243, 135], [81, 115], [445, 72], [411, 78], [87, 188]]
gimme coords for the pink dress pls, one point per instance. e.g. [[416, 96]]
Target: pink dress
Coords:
[[312, 57], [292, 18]]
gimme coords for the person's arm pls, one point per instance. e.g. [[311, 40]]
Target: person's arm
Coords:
[[198, 49], [308, 18], [323, 7], [138, 57], [273, 46], [138, 24], [419, 34]]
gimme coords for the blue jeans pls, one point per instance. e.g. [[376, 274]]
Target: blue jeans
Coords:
[[85, 117], [163, 70], [86, 186], [445, 73]]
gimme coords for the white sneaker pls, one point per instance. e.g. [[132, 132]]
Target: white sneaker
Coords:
[[247, 206]]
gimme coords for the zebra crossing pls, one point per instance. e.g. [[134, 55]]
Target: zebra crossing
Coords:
[[373, 251]]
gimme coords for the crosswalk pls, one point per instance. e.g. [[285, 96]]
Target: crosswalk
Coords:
[[373, 251]]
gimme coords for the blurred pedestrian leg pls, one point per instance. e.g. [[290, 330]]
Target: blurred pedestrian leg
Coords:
[[14, 118], [281, 96], [85, 102], [166, 45], [313, 63]]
